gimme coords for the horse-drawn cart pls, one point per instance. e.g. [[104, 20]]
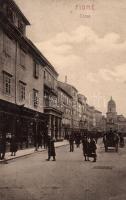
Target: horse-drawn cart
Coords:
[[111, 141]]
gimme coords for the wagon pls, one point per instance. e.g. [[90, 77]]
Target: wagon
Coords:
[[111, 142]]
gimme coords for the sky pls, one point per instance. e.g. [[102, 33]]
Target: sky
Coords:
[[84, 40]]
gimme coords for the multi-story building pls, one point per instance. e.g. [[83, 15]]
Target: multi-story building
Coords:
[[82, 111], [121, 123], [114, 121], [65, 105], [31, 99], [21, 76], [72, 91], [51, 109]]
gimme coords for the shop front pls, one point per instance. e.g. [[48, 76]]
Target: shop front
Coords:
[[21, 122]]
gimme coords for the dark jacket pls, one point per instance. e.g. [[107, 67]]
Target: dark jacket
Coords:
[[92, 147], [71, 139], [85, 145], [51, 147]]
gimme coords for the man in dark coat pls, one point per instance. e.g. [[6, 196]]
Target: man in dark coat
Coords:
[[2, 146], [51, 148], [77, 140], [85, 144]]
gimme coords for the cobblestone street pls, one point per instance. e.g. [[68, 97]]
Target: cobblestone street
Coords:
[[70, 177]]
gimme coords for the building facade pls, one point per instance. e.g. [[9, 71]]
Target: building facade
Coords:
[[65, 105], [82, 112], [51, 109], [21, 77], [115, 121], [32, 101]]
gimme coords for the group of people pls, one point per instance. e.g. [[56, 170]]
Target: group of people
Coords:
[[88, 145], [13, 146]]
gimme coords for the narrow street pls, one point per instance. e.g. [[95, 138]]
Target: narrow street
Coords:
[[69, 178]]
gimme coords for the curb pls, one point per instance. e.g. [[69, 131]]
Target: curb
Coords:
[[28, 154]]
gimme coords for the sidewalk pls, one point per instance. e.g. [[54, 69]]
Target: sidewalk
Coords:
[[26, 152]]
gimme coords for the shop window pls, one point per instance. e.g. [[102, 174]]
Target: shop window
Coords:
[[7, 83], [22, 88], [36, 70], [35, 98]]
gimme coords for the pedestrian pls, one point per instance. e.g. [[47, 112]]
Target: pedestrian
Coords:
[[121, 139], [92, 149], [77, 140], [13, 145], [2, 146], [71, 142], [85, 146], [51, 148]]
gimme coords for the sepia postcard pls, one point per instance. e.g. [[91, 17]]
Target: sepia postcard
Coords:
[[62, 99]]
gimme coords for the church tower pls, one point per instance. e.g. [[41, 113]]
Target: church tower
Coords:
[[111, 114]]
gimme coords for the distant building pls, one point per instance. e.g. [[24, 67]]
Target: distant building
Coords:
[[121, 121], [73, 92], [113, 120], [65, 105], [82, 111]]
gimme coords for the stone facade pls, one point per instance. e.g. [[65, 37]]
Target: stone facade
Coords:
[[51, 107], [21, 77], [65, 105]]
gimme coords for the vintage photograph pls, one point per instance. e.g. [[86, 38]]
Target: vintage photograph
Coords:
[[62, 99]]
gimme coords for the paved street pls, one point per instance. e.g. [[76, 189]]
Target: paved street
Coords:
[[69, 178]]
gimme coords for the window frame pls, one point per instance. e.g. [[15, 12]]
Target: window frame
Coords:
[[35, 98], [22, 91], [7, 83]]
